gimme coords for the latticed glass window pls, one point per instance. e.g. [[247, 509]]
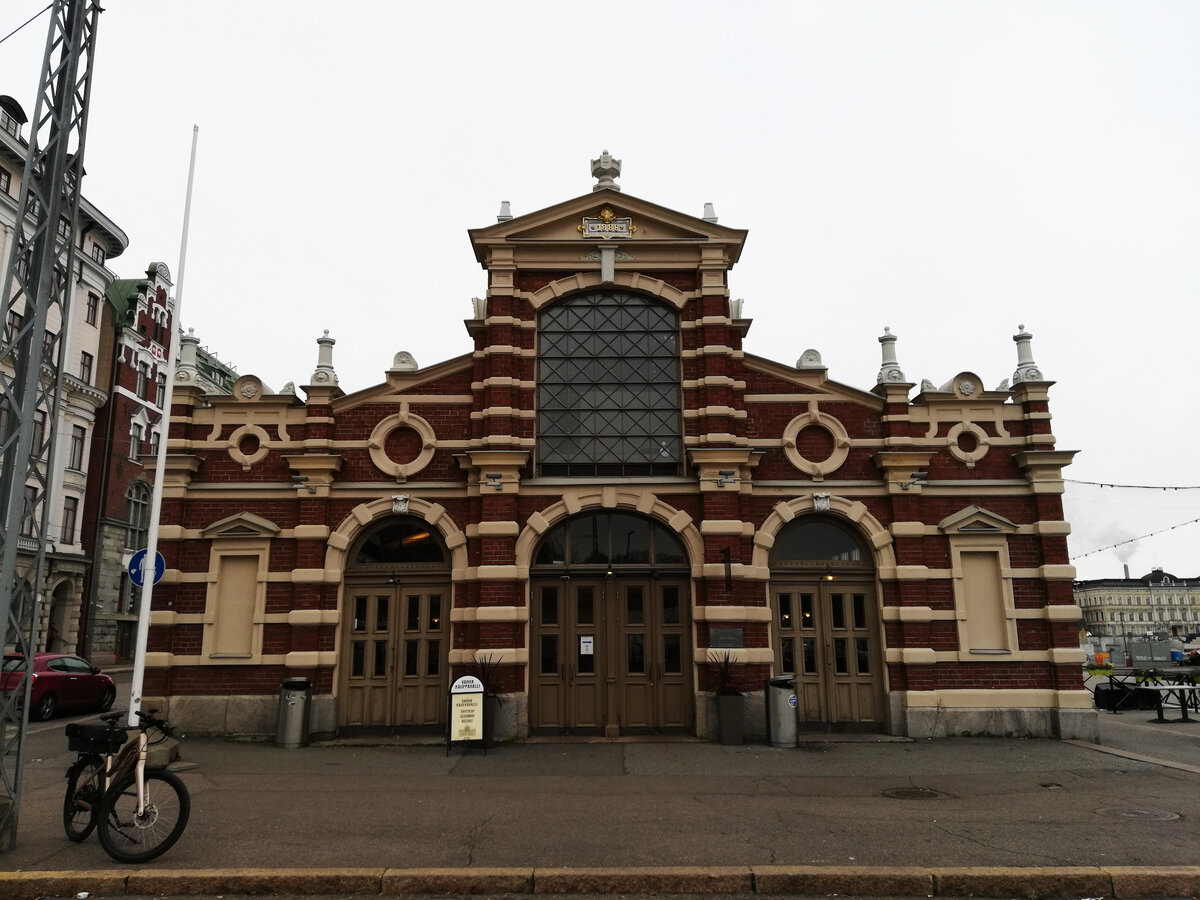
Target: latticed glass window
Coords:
[[137, 515], [608, 387]]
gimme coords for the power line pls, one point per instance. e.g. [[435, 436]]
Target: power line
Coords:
[[23, 24], [1133, 540], [1137, 487]]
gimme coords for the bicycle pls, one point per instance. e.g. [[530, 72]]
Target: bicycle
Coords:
[[140, 811]]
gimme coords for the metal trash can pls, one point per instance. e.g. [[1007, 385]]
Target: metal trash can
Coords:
[[291, 726], [783, 722]]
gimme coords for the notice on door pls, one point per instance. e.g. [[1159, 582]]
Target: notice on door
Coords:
[[587, 645]]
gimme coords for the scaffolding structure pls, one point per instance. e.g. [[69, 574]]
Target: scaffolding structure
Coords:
[[37, 286]]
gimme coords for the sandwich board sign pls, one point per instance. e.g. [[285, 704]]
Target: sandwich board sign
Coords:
[[465, 719]]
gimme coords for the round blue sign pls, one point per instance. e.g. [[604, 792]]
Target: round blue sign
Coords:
[[137, 564]]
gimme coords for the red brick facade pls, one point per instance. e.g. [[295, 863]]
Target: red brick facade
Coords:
[[958, 614]]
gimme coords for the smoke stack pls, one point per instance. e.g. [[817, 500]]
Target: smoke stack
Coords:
[[1126, 571]]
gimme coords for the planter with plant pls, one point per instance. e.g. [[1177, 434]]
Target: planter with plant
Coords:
[[726, 684], [486, 668]]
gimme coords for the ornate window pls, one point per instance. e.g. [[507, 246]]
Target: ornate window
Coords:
[[608, 387]]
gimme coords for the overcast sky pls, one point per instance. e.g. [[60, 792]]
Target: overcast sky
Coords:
[[949, 169]]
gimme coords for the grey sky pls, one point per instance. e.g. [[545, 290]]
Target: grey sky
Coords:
[[951, 170]]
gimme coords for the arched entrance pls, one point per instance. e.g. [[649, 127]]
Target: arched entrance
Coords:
[[827, 624], [395, 628], [610, 626]]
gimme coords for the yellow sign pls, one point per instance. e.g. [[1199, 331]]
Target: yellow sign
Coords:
[[466, 717]]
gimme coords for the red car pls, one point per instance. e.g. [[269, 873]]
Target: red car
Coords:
[[60, 681]]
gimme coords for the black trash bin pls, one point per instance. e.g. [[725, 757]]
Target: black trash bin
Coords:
[[783, 722], [291, 725]]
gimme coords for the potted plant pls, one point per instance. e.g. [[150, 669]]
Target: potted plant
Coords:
[[487, 669], [730, 707]]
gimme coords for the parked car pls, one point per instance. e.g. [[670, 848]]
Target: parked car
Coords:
[[59, 681], [1191, 657]]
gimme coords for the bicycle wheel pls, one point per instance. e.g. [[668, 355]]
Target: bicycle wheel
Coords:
[[84, 795], [128, 837]]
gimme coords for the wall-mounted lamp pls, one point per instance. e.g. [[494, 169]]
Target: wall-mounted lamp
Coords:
[[392, 579], [493, 480], [918, 478], [828, 576], [727, 476], [302, 481]]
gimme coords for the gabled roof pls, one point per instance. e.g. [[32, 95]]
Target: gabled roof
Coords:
[[560, 223]]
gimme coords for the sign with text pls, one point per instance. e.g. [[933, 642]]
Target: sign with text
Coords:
[[466, 711]]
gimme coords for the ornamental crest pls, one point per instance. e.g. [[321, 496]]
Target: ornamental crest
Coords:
[[607, 225]]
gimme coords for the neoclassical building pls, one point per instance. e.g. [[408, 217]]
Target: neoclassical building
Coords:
[[601, 496]]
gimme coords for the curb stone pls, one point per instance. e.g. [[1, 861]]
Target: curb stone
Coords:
[[1033, 882]]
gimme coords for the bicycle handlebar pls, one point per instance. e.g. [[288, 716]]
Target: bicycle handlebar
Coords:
[[149, 718]]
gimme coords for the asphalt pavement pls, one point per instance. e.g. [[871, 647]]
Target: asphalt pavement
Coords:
[[873, 817]]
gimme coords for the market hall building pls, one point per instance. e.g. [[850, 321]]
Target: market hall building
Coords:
[[604, 495]]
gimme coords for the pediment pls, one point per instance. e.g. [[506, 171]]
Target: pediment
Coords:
[[241, 525], [976, 520], [397, 383], [649, 222], [814, 381]]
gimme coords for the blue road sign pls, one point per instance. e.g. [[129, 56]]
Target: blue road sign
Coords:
[[137, 562]]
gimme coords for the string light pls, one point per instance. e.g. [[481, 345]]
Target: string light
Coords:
[[1142, 538], [1136, 487]]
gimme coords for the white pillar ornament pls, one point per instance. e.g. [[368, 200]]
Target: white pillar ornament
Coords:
[[400, 504], [891, 368]]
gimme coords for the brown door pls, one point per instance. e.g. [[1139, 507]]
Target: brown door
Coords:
[[394, 668], [611, 656], [827, 636]]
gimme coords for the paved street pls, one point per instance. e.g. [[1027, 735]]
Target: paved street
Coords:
[[865, 804]]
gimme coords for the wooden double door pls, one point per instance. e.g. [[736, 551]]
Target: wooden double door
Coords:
[[610, 656], [394, 651], [827, 636]]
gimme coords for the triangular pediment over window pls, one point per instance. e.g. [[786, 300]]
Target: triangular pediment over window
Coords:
[[975, 520], [241, 525]]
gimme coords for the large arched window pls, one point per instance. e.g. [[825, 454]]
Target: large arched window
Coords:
[[815, 539], [608, 387], [401, 540], [610, 539]]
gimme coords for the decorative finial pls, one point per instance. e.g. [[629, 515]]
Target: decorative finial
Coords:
[[604, 170], [324, 373], [1027, 369], [505, 212], [891, 368], [810, 359], [404, 362], [710, 214]]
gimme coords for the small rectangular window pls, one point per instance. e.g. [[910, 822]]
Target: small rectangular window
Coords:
[[135, 441], [550, 606], [93, 308], [78, 438], [86, 363], [27, 516], [160, 393], [549, 654], [98, 253], [64, 228], [5, 180]]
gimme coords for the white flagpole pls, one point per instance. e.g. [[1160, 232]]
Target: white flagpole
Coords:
[[148, 563]]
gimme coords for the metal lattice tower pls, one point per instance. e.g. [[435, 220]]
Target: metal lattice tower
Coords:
[[37, 287]]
